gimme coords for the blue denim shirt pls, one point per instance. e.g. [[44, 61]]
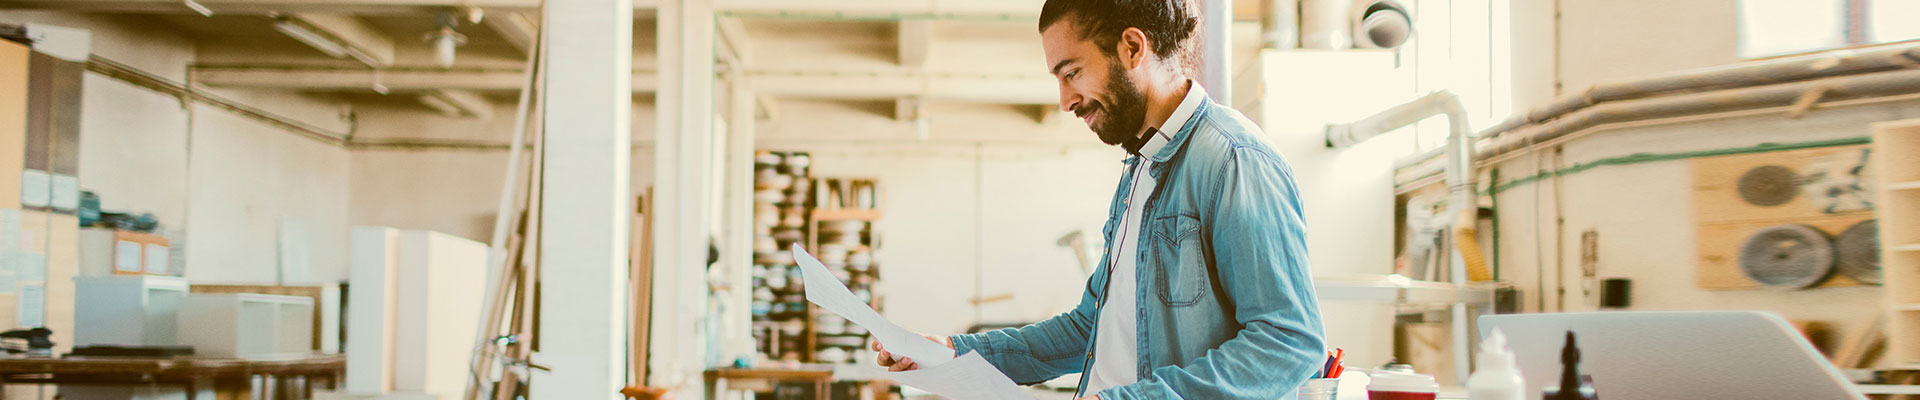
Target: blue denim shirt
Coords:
[[1225, 295]]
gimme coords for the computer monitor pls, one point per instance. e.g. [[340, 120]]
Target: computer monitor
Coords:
[[1674, 355]]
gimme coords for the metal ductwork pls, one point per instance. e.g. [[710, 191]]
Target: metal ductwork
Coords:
[[1786, 82]]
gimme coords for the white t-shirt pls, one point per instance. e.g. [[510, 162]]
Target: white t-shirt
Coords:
[[1116, 341]]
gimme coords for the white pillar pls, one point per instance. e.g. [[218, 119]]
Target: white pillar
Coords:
[[683, 179], [1216, 50], [585, 201], [736, 254]]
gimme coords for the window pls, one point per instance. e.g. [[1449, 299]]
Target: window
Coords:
[[1777, 27]]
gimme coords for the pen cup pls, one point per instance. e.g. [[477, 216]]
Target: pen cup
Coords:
[[1320, 389]]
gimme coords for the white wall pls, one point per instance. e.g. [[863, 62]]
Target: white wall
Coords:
[[1646, 232], [225, 179]]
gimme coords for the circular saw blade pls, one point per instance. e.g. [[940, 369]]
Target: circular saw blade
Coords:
[[1859, 252], [1788, 257], [1769, 185]]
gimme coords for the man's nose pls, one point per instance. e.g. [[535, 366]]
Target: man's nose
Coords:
[[1068, 98]]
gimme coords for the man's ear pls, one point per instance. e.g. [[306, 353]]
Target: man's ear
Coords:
[[1131, 48]]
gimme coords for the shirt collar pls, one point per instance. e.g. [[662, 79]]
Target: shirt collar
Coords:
[[1157, 136]]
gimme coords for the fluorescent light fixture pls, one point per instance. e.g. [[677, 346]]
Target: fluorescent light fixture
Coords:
[[311, 38], [437, 104], [195, 5]]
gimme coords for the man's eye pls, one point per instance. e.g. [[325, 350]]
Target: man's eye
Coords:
[[1070, 75]]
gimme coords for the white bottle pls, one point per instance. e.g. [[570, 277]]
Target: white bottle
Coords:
[[1498, 377]]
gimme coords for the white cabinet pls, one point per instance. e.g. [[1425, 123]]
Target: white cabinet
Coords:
[[415, 301], [247, 325], [127, 310]]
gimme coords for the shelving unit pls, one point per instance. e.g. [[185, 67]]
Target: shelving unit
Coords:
[[1896, 164], [833, 219]]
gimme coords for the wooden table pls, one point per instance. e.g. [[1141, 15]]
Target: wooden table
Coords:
[[820, 376], [230, 378]]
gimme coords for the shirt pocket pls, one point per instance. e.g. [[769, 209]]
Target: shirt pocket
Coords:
[[1179, 263]]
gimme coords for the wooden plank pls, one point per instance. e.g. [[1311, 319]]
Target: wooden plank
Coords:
[[13, 120], [1716, 179], [1724, 220], [1719, 250]]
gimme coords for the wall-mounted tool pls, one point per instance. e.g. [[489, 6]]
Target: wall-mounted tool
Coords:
[[1791, 256]]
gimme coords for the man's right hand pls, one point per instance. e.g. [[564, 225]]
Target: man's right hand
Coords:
[[903, 363]]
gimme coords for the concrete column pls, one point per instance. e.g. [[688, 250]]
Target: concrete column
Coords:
[[585, 203], [683, 181], [742, 107]]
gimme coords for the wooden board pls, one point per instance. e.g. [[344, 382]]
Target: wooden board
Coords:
[[1723, 220], [13, 120]]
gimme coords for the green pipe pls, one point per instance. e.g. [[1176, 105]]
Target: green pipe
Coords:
[[1494, 176], [1642, 158]]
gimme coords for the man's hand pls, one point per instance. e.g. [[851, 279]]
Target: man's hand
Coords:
[[903, 363]]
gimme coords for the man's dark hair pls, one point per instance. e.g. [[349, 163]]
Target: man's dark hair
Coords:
[[1167, 23]]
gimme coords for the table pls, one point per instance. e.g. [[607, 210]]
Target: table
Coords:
[[766, 378], [230, 378]]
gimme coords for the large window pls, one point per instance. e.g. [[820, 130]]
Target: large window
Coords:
[[1777, 27]]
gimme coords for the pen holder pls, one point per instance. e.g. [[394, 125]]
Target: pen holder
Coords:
[[1320, 389]]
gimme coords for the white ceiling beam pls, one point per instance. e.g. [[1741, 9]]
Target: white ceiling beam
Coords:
[[980, 88], [1036, 89], [909, 108], [915, 37], [459, 103], [370, 7], [519, 30], [733, 34], [403, 79], [361, 40], [769, 107]]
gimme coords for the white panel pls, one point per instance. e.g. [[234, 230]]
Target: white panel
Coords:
[[371, 309]]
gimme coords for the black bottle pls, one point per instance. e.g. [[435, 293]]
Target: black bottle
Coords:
[[1573, 385]]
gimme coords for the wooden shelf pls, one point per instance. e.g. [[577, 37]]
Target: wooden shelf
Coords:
[[1910, 247], [844, 214]]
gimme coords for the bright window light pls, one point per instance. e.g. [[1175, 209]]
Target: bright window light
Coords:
[[1775, 27], [1894, 20]]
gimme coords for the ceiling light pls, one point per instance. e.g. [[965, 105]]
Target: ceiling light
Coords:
[[310, 38]]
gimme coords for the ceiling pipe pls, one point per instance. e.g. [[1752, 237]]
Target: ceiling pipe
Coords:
[[1797, 96], [1731, 77], [1747, 74]]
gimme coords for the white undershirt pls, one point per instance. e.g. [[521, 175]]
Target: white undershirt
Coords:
[[1117, 338]]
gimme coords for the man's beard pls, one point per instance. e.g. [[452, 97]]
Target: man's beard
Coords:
[[1122, 113]]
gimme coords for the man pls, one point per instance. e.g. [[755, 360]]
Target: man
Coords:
[[1205, 291]]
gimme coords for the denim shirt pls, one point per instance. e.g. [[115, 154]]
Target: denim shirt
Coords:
[[1226, 308]]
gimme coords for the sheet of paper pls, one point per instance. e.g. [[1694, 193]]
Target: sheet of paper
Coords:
[[36, 188], [66, 193], [126, 256], [968, 377], [826, 291], [157, 259], [33, 306]]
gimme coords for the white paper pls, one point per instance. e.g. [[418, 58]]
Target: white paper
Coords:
[[36, 188], [31, 266], [66, 193], [157, 259], [10, 230], [827, 291], [968, 377], [126, 256], [33, 306]]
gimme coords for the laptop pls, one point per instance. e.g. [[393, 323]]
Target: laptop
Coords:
[[1674, 355]]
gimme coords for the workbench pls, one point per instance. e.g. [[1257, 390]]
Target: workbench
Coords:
[[229, 378]]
